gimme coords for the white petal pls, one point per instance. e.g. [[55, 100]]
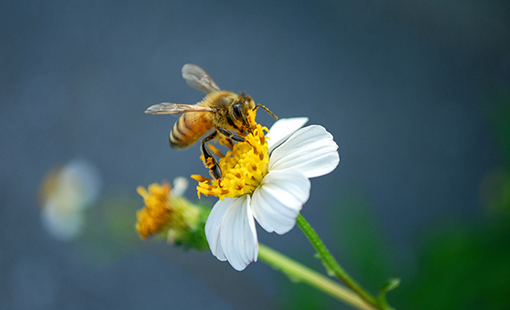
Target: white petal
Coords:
[[238, 236], [282, 129], [311, 151], [213, 228], [180, 186], [277, 201]]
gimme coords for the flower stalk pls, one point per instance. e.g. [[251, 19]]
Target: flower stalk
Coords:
[[298, 272], [332, 266]]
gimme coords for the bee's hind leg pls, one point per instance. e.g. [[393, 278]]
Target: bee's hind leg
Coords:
[[209, 160]]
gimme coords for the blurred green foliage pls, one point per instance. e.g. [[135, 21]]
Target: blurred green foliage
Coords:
[[463, 267]]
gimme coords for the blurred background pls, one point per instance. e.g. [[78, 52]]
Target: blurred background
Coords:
[[416, 94]]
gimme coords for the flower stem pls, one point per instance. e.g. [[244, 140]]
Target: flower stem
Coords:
[[298, 272], [331, 264]]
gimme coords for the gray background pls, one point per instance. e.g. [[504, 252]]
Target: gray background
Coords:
[[398, 84]]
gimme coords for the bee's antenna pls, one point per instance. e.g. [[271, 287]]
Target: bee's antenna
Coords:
[[266, 109]]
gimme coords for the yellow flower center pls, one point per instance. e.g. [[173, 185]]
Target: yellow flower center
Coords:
[[157, 213], [243, 167]]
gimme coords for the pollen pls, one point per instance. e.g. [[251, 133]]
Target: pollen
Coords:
[[243, 167], [157, 212]]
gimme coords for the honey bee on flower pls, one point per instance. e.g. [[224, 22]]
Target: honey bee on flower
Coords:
[[223, 112]]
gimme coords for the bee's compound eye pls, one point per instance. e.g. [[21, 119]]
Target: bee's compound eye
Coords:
[[237, 110]]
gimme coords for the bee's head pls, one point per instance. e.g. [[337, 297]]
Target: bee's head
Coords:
[[239, 110]]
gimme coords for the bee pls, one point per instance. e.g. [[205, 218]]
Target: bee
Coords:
[[221, 111]]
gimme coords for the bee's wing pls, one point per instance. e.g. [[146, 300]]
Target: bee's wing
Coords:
[[197, 78], [175, 108]]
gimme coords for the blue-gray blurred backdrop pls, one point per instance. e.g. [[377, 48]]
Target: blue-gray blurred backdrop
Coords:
[[399, 84]]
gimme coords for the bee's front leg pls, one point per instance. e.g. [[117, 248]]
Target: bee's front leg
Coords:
[[230, 135], [209, 160]]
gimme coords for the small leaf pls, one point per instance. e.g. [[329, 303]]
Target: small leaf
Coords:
[[389, 286]]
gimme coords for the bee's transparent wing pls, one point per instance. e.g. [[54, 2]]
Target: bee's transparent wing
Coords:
[[197, 78], [175, 108]]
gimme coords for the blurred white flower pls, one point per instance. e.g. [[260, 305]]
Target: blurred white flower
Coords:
[[65, 194]]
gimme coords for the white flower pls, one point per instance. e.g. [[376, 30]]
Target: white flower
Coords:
[[296, 155]]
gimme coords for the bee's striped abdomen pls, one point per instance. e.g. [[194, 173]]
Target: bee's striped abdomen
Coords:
[[188, 129]]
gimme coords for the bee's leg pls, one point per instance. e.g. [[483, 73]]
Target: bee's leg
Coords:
[[230, 135], [209, 160]]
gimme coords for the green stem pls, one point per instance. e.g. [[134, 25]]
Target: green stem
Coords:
[[331, 264], [301, 273]]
